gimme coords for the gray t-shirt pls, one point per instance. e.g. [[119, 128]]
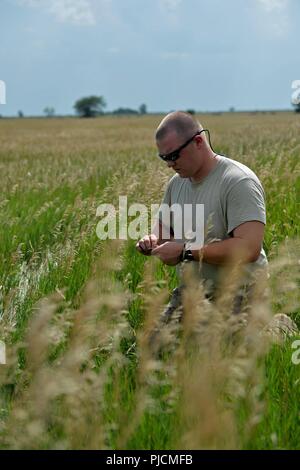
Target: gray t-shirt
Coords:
[[232, 194]]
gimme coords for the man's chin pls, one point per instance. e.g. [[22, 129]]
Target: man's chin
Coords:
[[181, 173]]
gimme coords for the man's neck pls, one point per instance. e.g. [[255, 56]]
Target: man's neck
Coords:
[[209, 164]]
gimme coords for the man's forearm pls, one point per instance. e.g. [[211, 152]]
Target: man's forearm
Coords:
[[163, 234], [225, 251]]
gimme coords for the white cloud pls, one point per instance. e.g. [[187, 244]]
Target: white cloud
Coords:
[[273, 5], [73, 11], [276, 18], [170, 4], [66, 11], [170, 12]]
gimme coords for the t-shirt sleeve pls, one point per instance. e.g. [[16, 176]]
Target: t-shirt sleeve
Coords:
[[245, 202]]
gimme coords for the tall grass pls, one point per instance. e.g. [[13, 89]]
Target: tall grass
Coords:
[[77, 314]]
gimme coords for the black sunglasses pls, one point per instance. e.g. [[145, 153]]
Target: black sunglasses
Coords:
[[173, 156]]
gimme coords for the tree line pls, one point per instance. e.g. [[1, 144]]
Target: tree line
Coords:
[[93, 106]]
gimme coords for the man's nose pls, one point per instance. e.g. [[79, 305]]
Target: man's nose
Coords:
[[170, 163]]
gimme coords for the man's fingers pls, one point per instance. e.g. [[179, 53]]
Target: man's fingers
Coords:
[[156, 251], [139, 248], [153, 240], [147, 252], [148, 242], [143, 248]]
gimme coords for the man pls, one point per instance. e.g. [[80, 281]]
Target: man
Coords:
[[234, 207]]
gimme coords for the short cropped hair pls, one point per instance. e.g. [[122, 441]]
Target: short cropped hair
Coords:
[[184, 124]]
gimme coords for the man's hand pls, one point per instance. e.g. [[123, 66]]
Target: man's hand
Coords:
[[146, 244], [169, 252]]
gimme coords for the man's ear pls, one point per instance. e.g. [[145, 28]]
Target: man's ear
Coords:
[[199, 140]]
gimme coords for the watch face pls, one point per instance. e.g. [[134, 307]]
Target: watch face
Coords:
[[188, 255]]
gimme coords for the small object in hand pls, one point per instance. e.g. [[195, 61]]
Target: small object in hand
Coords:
[[147, 252]]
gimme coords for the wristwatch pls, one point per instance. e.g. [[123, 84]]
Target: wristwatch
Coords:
[[186, 255]]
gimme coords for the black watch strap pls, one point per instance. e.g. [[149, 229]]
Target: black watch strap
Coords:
[[188, 256]]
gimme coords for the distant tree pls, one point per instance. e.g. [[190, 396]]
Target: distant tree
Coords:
[[232, 109], [49, 111], [143, 109], [191, 111], [297, 108], [90, 106], [125, 111], [20, 114]]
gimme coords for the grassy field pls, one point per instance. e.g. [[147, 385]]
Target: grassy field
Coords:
[[76, 312]]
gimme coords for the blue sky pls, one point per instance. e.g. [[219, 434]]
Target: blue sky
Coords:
[[169, 54]]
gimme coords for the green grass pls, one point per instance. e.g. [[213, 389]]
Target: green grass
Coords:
[[54, 174]]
